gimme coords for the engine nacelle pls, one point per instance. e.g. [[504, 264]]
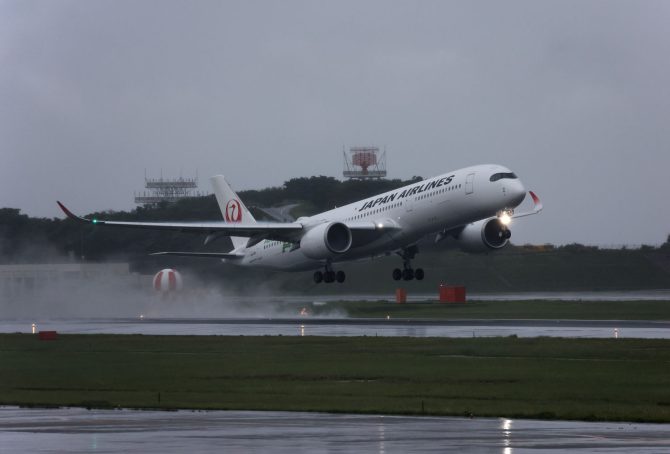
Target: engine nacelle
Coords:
[[326, 240], [484, 235]]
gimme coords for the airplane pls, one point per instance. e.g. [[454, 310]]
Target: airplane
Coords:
[[473, 205]]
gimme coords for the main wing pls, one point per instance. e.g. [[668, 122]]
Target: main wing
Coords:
[[256, 232], [276, 231]]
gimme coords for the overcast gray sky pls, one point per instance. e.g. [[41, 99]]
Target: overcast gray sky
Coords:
[[572, 95]]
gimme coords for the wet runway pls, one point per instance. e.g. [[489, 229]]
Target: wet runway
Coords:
[[632, 295], [109, 431], [259, 315], [349, 327]]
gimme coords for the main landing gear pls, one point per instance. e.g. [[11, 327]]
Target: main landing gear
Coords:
[[408, 273], [329, 275]]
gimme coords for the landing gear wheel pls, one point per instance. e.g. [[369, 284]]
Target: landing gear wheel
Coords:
[[508, 234], [340, 276], [329, 276], [407, 273], [318, 277]]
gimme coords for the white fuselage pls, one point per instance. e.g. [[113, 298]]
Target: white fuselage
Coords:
[[444, 202]]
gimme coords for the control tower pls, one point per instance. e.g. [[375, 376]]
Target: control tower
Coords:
[[167, 190], [364, 163]]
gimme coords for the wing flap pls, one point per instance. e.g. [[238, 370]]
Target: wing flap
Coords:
[[215, 255], [375, 225]]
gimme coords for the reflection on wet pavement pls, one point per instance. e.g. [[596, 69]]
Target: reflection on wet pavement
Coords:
[[80, 430], [348, 327]]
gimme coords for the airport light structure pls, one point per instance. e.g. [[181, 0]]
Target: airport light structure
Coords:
[[168, 190]]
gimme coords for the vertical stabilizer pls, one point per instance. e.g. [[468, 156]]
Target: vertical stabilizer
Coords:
[[232, 208]]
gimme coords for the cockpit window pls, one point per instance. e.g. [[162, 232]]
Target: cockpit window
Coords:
[[502, 175]]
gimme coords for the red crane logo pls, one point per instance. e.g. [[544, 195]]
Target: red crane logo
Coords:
[[233, 211]]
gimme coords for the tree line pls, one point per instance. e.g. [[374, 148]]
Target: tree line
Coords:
[[27, 239]]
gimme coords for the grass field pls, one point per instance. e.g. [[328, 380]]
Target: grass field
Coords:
[[538, 309], [585, 379]]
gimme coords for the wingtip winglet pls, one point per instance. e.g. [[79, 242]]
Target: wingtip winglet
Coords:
[[536, 201], [537, 206], [69, 213]]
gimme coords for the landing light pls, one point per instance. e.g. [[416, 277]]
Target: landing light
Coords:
[[380, 225], [505, 218]]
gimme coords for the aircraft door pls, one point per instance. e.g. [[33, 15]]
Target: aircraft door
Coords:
[[409, 205], [469, 183]]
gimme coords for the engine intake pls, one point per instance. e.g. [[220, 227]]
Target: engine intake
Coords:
[[326, 240], [484, 235]]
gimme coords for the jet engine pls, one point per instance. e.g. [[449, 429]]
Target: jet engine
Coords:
[[326, 240], [484, 235]]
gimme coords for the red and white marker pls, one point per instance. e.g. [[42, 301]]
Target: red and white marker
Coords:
[[167, 280]]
